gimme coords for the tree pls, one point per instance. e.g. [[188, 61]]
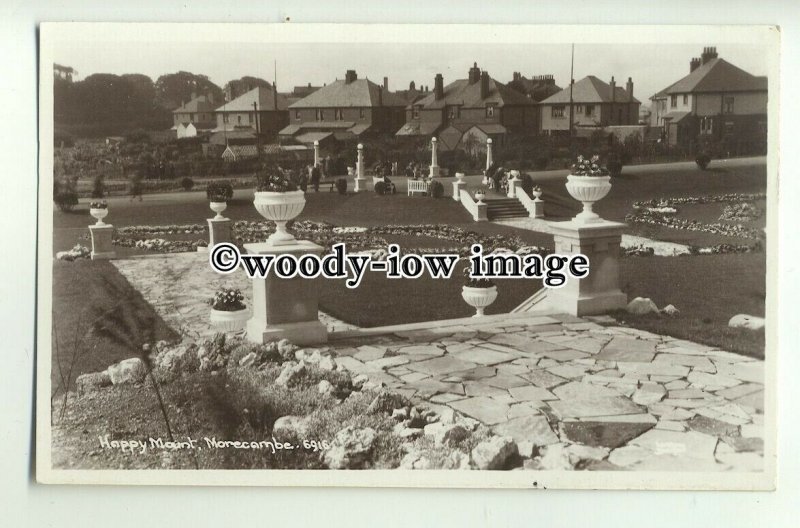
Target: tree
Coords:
[[173, 89]]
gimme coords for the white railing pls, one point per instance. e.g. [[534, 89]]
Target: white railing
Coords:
[[477, 210]]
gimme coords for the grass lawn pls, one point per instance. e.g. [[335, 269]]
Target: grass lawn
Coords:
[[89, 296], [707, 289]]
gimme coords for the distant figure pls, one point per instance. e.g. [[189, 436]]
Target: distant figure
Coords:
[[410, 170], [390, 187], [135, 189], [315, 177]]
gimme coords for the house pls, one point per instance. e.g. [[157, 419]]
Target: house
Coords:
[[538, 87], [478, 106], [262, 111], [413, 94], [343, 110], [198, 112], [716, 100], [593, 105]]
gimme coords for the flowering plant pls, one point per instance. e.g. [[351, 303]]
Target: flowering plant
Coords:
[[589, 167], [219, 192], [277, 179], [228, 300], [98, 205], [475, 283]]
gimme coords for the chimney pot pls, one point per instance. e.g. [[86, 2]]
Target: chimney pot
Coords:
[[484, 84], [438, 87], [385, 83], [350, 76]]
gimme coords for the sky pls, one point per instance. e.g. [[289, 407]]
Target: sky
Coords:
[[652, 66]]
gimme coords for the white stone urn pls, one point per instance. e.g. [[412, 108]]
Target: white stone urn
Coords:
[[480, 195], [479, 298], [537, 194], [460, 176], [218, 207], [99, 213], [280, 207], [514, 175], [588, 190], [227, 321]]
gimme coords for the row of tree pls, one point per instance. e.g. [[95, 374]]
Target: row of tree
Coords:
[[108, 104]]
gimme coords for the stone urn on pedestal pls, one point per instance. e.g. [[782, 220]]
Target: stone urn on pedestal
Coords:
[[98, 212], [479, 297], [101, 233], [280, 207], [479, 196], [218, 207], [588, 182]]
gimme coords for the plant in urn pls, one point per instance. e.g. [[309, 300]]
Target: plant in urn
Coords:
[[478, 293], [279, 199], [99, 210], [588, 182]]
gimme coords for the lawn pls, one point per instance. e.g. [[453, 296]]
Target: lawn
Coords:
[[88, 298]]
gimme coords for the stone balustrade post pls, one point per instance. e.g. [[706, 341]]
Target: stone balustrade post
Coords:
[[360, 171], [102, 235], [434, 170]]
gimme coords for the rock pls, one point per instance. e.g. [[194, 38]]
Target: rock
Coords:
[[311, 356], [400, 414], [649, 394], [325, 387], [494, 453], [290, 426], [359, 381], [671, 310], [286, 349], [92, 381], [327, 363], [291, 373], [750, 322], [554, 457], [641, 306], [457, 460], [130, 370], [447, 416], [446, 434], [172, 362], [415, 460], [404, 431], [351, 448], [248, 361]]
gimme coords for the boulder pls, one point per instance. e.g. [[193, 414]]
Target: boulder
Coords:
[[130, 370], [291, 373], [290, 426], [325, 387], [92, 381], [671, 310], [286, 349], [557, 457], [248, 360], [416, 460], [494, 453], [351, 448], [446, 434], [750, 322], [641, 306], [327, 363]]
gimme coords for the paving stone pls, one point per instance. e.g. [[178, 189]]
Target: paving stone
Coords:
[[388, 362], [441, 365], [547, 362], [743, 461], [446, 397], [690, 394], [532, 428], [740, 444], [530, 392], [525, 408], [421, 350], [752, 372], [428, 387], [484, 356], [752, 431], [698, 362], [730, 413], [564, 355], [568, 371], [628, 455], [511, 369], [501, 348], [677, 415], [668, 425], [646, 369], [369, 353], [649, 394], [474, 374], [697, 403], [525, 345], [679, 463], [689, 444], [664, 379], [608, 431], [624, 349], [473, 388], [460, 347], [577, 390], [414, 376], [584, 344], [484, 409], [740, 390], [506, 381], [676, 385], [354, 365], [594, 407], [754, 401], [702, 379], [711, 426]]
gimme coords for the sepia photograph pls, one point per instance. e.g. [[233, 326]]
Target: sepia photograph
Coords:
[[502, 257]]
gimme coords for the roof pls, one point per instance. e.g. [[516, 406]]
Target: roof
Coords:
[[537, 88], [675, 116], [311, 137], [718, 75], [201, 103], [590, 89], [490, 128], [358, 93], [261, 95], [223, 137], [462, 93], [240, 151], [418, 129]]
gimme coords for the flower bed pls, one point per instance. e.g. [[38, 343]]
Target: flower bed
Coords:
[[741, 212]]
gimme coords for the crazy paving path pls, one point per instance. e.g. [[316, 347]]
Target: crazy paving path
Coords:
[[648, 402], [179, 286]]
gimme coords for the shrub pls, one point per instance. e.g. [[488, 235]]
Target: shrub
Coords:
[[614, 167], [541, 163], [380, 188], [228, 300], [65, 200], [219, 191], [702, 160], [98, 186], [187, 183], [437, 189], [341, 185]]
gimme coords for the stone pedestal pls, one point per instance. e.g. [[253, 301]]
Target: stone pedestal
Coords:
[[219, 230], [457, 186], [512, 188], [101, 241], [361, 178], [286, 308], [598, 292], [538, 208]]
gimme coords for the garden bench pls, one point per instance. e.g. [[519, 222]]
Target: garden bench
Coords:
[[331, 182], [417, 186]]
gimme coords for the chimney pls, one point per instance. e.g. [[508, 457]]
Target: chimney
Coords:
[[613, 85], [694, 64], [708, 54], [484, 85], [385, 83], [474, 73], [350, 76], [412, 86], [629, 88], [380, 95], [438, 87], [516, 76]]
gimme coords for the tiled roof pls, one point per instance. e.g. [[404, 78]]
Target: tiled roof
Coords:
[[590, 89], [198, 104], [311, 137], [675, 116], [263, 96], [359, 93], [718, 75], [461, 92], [418, 129]]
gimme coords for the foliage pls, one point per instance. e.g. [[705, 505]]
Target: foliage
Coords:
[[274, 178], [219, 191], [341, 185], [65, 194], [589, 167], [228, 300], [102, 204], [187, 183], [98, 186], [436, 189], [475, 283], [175, 88], [702, 160], [380, 188]]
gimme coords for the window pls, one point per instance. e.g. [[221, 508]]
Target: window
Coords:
[[685, 99], [727, 105], [453, 112], [362, 113], [239, 119], [706, 125], [673, 101], [338, 114], [728, 127], [490, 110], [224, 118], [579, 109], [320, 114], [558, 111], [297, 115], [589, 110], [415, 112]]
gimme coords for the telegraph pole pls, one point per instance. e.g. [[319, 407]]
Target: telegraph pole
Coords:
[[258, 131], [571, 83]]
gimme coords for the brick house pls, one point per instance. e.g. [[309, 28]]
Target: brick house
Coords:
[[595, 105], [261, 110], [538, 87], [716, 100], [343, 110], [198, 112], [477, 106]]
